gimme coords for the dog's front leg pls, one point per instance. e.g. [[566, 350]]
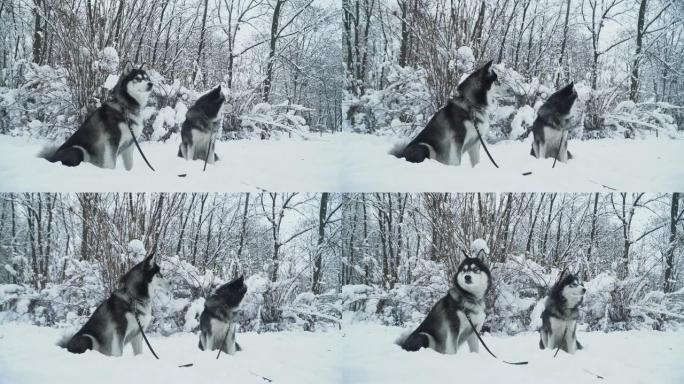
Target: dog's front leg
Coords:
[[563, 156], [570, 338], [474, 343], [127, 156], [210, 157], [474, 153], [136, 343]]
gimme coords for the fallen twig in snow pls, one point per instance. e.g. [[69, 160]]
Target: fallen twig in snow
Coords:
[[262, 377]]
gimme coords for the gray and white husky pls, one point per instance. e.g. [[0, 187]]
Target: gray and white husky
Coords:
[[218, 321], [113, 325], [561, 311], [446, 326], [451, 132], [551, 126], [202, 121], [106, 133]]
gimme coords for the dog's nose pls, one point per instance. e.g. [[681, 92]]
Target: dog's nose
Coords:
[[149, 85], [468, 279], [584, 290]]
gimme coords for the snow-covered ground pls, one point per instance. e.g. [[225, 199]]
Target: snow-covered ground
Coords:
[[355, 163], [356, 354]]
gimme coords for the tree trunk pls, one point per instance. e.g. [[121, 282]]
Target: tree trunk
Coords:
[[268, 80], [669, 282], [634, 84], [203, 31], [322, 220]]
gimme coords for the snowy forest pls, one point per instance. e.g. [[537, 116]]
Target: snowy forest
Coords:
[[279, 60], [403, 60], [322, 261]]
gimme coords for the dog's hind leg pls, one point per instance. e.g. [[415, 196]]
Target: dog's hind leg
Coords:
[[415, 342]]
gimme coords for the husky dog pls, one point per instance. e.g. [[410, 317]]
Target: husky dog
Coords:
[[446, 326], [452, 131], [106, 133], [201, 121], [219, 318], [113, 324], [550, 128], [561, 311]]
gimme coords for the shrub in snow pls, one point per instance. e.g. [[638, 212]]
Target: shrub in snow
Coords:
[[37, 102], [398, 108], [266, 120]]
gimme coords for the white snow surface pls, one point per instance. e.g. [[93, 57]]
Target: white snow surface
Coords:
[[357, 354], [346, 162]]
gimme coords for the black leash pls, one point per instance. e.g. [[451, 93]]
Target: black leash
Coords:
[[487, 348], [557, 153], [141, 153], [561, 343], [485, 147], [206, 158], [143, 334], [223, 343]]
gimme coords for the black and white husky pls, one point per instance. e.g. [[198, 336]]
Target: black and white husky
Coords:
[[550, 128], [446, 326], [113, 325], [106, 133], [218, 321], [202, 121], [561, 311], [452, 131]]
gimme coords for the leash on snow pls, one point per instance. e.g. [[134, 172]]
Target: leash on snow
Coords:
[[479, 135], [141, 154], [137, 320], [487, 348]]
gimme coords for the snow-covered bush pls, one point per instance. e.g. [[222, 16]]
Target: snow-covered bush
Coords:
[[266, 120], [36, 102], [399, 108]]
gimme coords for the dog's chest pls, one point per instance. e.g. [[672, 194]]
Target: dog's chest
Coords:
[[133, 123], [560, 327]]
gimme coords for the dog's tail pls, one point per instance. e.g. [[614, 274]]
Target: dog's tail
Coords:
[[76, 344], [414, 341], [49, 153], [397, 149], [69, 156]]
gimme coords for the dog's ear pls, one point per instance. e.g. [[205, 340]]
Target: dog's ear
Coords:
[[481, 254], [488, 65], [149, 259]]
